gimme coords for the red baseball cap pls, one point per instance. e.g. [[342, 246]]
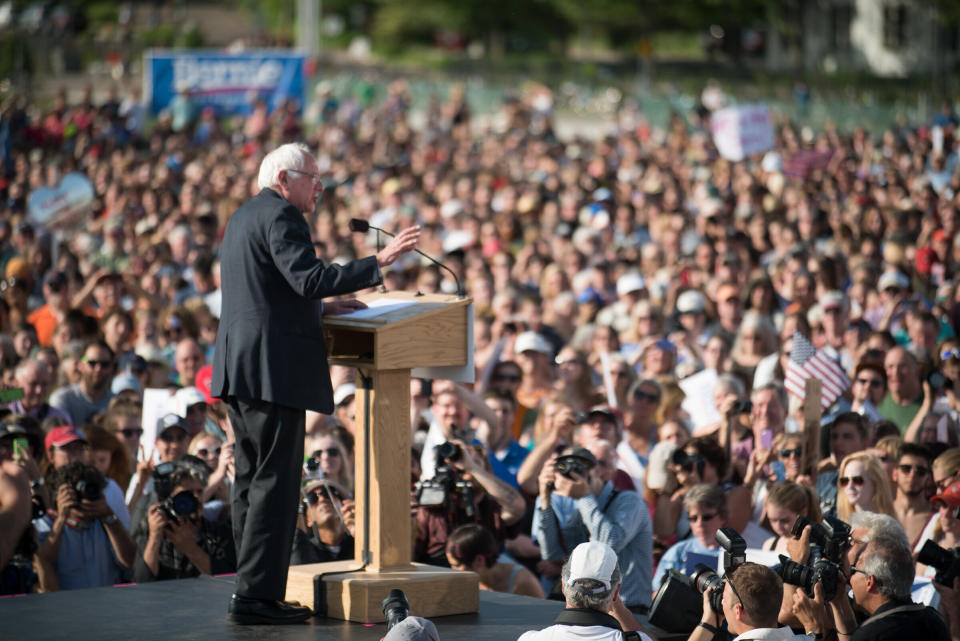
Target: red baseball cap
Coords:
[[950, 496], [62, 435], [202, 382]]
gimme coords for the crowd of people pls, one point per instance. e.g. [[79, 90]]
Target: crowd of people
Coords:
[[637, 298]]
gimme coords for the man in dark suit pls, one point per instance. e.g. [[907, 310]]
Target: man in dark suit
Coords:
[[270, 365]]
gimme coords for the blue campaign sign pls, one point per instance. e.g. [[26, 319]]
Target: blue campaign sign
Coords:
[[227, 82]]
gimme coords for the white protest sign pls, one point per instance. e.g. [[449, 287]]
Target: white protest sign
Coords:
[[742, 130]]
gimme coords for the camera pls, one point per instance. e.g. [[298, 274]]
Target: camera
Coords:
[[163, 479], [833, 536], [395, 608], [447, 491], [678, 604], [734, 554], [946, 562], [448, 451], [569, 465], [688, 462], [806, 576], [180, 506], [742, 406], [89, 490]]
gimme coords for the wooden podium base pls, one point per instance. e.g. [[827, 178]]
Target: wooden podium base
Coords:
[[357, 596]]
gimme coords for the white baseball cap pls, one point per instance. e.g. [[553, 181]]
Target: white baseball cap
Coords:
[[593, 560], [532, 342]]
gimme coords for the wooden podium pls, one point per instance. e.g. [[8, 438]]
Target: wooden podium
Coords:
[[400, 331]]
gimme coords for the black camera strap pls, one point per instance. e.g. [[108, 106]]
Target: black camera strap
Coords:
[[909, 607], [588, 617]]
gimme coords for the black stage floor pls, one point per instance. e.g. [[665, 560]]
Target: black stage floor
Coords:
[[196, 609]]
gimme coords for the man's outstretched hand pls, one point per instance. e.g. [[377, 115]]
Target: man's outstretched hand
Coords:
[[399, 245], [335, 307]]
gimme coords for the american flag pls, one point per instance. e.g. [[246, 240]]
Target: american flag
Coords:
[[806, 362]]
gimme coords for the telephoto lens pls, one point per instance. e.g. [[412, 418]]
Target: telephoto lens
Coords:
[[395, 608]]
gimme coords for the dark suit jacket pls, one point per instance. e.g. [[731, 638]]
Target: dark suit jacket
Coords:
[[270, 342]]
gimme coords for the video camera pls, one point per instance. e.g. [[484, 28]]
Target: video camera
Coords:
[[678, 604], [833, 538], [180, 506], [946, 562]]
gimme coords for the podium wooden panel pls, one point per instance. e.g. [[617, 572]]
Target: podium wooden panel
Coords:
[[432, 331]]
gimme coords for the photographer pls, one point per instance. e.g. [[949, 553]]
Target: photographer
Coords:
[[472, 494], [326, 527], [751, 603], [87, 543], [881, 579], [591, 582], [599, 512], [180, 543]]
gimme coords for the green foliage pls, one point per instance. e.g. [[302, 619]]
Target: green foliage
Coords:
[[100, 12], [191, 38], [15, 59], [163, 35]]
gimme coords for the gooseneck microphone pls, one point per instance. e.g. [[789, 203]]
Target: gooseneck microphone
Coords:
[[360, 225]]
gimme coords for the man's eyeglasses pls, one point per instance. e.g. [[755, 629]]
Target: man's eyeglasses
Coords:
[[847, 480], [872, 382], [177, 437], [330, 451], [797, 451], [854, 569], [130, 432], [317, 180], [919, 470]]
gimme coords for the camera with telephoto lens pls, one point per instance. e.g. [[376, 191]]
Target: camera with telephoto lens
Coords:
[[946, 562], [180, 506], [395, 608], [678, 604], [89, 490], [570, 464], [825, 572]]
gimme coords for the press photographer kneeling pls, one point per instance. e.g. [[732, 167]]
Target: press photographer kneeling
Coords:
[[180, 542]]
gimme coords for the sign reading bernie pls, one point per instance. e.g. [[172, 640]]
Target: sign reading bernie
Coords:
[[230, 83], [742, 130]]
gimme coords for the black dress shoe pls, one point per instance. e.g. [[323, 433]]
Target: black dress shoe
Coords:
[[246, 611]]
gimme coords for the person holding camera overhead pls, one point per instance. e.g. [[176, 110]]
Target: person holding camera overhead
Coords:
[[750, 604], [601, 514], [180, 542]]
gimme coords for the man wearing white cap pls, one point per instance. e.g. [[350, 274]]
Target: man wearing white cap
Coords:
[[591, 581], [631, 289]]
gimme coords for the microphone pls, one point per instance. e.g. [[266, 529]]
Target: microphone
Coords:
[[360, 225]]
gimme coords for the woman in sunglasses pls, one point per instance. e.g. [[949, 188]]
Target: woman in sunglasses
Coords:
[[332, 456], [862, 486]]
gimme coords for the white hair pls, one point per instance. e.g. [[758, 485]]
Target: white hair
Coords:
[[290, 156]]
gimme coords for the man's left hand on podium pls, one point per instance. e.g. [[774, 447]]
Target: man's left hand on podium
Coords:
[[336, 307]]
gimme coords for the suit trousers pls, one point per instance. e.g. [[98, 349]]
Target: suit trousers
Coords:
[[265, 494]]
